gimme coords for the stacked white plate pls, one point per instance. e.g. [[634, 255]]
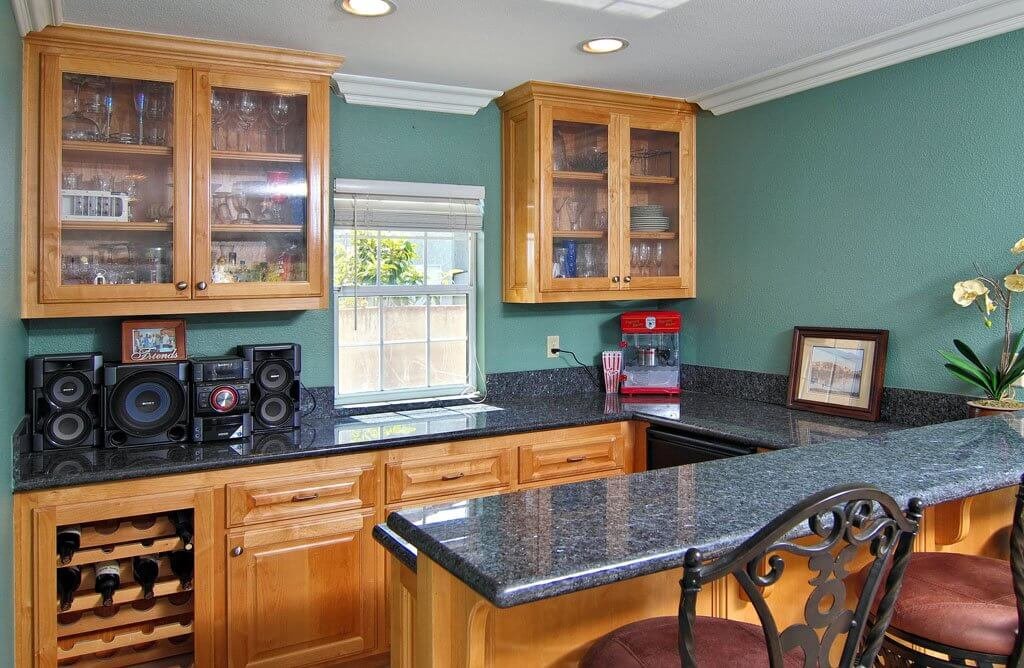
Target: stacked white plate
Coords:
[[648, 218]]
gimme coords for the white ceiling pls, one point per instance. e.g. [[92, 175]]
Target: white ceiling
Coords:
[[688, 48]]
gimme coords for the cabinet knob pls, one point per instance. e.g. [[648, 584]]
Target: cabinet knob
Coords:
[[201, 285], [628, 279], [615, 279], [237, 552], [181, 285]]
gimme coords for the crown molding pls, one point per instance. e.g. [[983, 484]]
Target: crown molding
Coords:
[[946, 30], [376, 92], [32, 15]]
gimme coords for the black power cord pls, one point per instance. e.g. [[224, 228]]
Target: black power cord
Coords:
[[559, 351]]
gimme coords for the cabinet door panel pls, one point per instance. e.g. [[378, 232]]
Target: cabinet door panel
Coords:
[[259, 187], [658, 234], [302, 593], [114, 181], [579, 200]]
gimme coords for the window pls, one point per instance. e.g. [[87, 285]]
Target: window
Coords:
[[405, 289]]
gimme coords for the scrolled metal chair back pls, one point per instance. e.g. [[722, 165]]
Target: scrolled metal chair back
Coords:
[[843, 522]]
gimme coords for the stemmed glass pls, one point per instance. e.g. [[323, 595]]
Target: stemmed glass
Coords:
[[142, 97], [156, 112], [220, 108], [281, 110], [76, 124], [248, 110], [659, 257], [644, 258]]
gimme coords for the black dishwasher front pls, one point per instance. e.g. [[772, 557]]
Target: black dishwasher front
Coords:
[[670, 447]]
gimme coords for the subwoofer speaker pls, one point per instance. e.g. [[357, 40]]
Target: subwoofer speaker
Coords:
[[64, 400], [146, 404], [276, 370]]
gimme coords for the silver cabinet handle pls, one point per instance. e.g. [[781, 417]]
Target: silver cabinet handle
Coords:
[[201, 285], [576, 458], [237, 552], [615, 279], [298, 498], [452, 476], [628, 279], [181, 285]]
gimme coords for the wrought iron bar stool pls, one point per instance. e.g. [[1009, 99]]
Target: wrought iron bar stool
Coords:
[[963, 610], [844, 522]]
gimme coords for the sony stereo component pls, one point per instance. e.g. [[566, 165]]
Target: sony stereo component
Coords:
[[145, 404], [64, 400], [275, 385], [222, 428], [220, 386]]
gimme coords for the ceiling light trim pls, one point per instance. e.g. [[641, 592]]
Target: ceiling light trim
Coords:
[[395, 94], [33, 15], [956, 27]]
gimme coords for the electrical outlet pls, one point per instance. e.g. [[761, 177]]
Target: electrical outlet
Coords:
[[552, 343]]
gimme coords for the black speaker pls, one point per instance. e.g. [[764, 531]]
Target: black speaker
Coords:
[[276, 370], [145, 404], [64, 400]]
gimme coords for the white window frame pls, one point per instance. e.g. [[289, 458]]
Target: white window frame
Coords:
[[469, 291]]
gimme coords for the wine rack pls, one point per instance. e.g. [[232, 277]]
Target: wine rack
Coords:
[[131, 629]]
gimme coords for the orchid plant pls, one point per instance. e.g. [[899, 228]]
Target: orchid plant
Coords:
[[990, 296]]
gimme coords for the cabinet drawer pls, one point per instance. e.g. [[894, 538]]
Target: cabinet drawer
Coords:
[[299, 496], [570, 459], [425, 478]]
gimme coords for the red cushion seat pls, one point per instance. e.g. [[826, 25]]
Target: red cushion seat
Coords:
[[654, 643], [958, 600]]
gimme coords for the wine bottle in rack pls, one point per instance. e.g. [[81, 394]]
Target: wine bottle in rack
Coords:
[[69, 579], [183, 566], [182, 521], [108, 579], [69, 540], [145, 569]]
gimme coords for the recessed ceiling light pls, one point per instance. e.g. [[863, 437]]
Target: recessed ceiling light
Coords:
[[603, 45], [367, 7]]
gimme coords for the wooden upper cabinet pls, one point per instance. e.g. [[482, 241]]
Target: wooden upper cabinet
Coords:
[[598, 195], [171, 175]]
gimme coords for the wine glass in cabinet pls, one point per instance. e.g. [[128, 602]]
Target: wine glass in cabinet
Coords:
[[258, 186], [114, 167]]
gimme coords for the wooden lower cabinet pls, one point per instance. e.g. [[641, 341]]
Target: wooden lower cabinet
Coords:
[[287, 571], [303, 592]]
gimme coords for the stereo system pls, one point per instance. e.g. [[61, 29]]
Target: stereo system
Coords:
[[77, 401], [64, 400], [275, 385]]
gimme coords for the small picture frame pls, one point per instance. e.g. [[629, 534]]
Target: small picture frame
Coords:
[[153, 341], [838, 371]]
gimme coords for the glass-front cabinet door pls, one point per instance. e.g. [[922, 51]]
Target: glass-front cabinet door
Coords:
[[658, 230], [258, 189], [114, 211], [579, 242]]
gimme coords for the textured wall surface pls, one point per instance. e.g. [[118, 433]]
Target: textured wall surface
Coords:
[[373, 143], [13, 342], [858, 205]]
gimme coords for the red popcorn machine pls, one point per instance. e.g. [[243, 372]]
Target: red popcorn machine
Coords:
[[650, 352]]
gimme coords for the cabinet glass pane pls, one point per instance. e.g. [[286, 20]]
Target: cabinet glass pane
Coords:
[[654, 203], [117, 185], [258, 187], [580, 200]]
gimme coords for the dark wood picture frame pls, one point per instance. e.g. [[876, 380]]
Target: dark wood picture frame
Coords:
[[129, 354], [872, 412]]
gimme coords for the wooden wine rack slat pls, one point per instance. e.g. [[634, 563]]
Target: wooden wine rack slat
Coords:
[[126, 532], [127, 576], [151, 656], [134, 637], [88, 623], [124, 551], [90, 600]]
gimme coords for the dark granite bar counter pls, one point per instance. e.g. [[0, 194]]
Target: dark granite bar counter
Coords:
[[755, 423], [527, 546]]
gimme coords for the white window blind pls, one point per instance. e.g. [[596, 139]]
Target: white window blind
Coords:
[[398, 205]]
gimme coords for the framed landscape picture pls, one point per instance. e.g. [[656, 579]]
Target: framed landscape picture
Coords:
[[838, 371]]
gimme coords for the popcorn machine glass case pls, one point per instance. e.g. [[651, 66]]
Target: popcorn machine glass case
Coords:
[[650, 345]]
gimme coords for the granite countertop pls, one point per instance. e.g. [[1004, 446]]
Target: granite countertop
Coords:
[[527, 546], [754, 423]]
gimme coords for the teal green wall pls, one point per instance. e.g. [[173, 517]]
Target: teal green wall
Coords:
[[859, 204], [13, 343], [374, 143]]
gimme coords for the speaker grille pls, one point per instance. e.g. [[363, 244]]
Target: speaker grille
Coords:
[[67, 429], [275, 375], [67, 388], [275, 410], [147, 403]]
